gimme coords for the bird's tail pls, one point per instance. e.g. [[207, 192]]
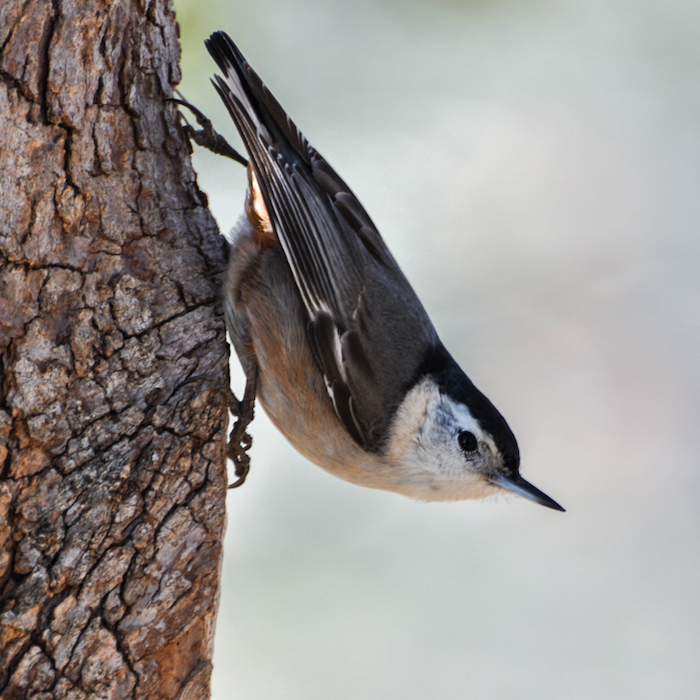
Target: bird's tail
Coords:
[[258, 116]]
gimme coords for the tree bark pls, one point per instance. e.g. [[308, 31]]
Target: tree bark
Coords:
[[112, 473]]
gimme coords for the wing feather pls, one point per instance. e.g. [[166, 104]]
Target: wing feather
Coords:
[[367, 329]]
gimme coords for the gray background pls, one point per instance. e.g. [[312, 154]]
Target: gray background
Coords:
[[534, 167]]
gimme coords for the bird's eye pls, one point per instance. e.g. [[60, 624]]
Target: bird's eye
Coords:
[[467, 441]]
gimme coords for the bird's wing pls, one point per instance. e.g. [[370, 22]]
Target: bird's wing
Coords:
[[367, 329]]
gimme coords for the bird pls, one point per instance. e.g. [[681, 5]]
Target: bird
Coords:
[[334, 342]]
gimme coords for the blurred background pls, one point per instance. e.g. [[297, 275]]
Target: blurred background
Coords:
[[535, 168]]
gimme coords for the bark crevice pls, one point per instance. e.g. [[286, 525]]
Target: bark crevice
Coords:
[[112, 472]]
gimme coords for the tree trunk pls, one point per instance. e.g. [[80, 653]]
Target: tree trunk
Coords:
[[112, 474]]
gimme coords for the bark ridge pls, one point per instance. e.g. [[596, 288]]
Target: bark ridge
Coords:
[[112, 480]]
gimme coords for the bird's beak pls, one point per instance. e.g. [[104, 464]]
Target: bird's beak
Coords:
[[524, 488]]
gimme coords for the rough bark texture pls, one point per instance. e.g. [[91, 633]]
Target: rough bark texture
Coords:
[[112, 475]]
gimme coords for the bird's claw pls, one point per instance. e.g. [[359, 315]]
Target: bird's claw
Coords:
[[239, 441], [206, 137]]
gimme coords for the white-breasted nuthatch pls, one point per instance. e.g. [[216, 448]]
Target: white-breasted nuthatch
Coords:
[[348, 365]]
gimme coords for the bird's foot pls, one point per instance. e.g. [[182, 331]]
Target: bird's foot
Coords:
[[206, 136], [240, 441]]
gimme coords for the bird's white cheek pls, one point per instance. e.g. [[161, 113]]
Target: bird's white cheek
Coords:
[[431, 471], [431, 475], [422, 453], [411, 423]]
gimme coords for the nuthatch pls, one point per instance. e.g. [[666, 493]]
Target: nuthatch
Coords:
[[348, 365]]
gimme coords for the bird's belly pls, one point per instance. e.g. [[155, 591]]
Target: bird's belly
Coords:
[[267, 323]]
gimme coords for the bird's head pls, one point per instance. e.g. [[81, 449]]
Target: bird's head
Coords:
[[452, 443]]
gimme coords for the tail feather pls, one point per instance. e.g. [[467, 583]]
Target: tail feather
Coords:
[[335, 255], [271, 122]]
